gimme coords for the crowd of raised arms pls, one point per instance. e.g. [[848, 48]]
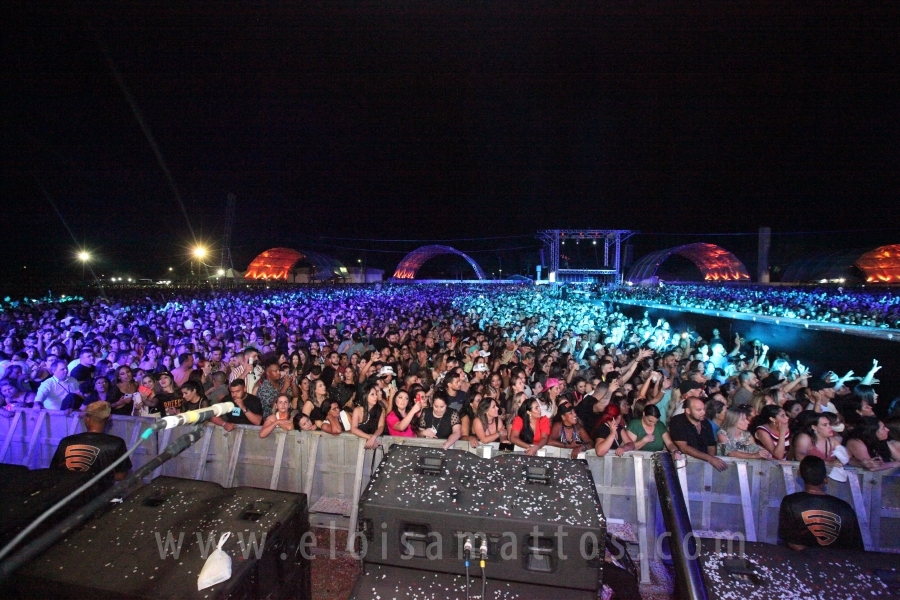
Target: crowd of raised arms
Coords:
[[849, 306], [512, 365]]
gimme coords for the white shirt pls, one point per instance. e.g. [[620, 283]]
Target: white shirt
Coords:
[[53, 391]]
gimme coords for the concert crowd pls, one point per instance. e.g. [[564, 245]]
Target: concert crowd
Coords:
[[848, 306], [514, 366]]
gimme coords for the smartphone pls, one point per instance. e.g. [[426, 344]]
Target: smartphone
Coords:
[[144, 390]]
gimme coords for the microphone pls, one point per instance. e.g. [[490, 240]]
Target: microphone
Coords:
[[190, 417], [467, 547]]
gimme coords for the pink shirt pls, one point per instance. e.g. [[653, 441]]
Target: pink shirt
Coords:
[[392, 420]]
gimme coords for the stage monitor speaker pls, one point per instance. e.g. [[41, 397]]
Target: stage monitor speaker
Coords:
[[155, 543], [396, 583], [733, 569], [539, 518], [25, 494]]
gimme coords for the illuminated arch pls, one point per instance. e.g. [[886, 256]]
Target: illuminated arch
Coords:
[[881, 265], [715, 263], [413, 261], [277, 264]]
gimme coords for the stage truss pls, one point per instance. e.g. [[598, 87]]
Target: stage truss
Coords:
[[612, 240]]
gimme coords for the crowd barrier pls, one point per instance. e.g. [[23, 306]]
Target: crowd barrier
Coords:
[[741, 502]]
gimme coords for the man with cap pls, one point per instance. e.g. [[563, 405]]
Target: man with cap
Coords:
[[93, 450], [821, 393], [479, 373]]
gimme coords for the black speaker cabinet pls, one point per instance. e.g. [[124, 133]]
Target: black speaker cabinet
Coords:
[[754, 570], [396, 583], [539, 518], [25, 495], [153, 546]]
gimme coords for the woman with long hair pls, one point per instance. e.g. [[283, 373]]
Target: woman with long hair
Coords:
[[487, 426], [771, 430], [367, 421], [548, 398], [305, 387], [467, 416], [734, 439], [530, 428], [295, 360], [122, 394], [314, 407], [869, 446], [280, 417], [194, 398], [346, 389], [147, 391], [402, 415], [815, 437]]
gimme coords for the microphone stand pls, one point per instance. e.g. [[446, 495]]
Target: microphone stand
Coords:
[[120, 489]]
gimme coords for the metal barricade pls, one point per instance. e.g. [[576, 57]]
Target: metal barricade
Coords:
[[740, 502]]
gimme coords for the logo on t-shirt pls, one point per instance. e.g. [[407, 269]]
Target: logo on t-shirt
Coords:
[[80, 457], [826, 526]]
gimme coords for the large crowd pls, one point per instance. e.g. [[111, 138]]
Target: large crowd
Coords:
[[513, 366], [870, 307]]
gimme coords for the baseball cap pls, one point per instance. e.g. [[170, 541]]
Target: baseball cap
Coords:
[[818, 385], [480, 368], [687, 386], [386, 370], [552, 382]]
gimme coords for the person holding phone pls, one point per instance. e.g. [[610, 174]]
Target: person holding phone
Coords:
[[403, 413], [439, 421]]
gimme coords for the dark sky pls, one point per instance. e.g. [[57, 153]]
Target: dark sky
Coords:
[[438, 120]]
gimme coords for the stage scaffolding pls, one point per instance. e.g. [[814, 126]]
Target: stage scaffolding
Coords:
[[610, 238]]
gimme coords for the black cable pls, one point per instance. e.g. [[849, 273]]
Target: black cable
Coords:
[[467, 580], [483, 581]]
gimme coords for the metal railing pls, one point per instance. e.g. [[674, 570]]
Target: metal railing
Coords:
[[740, 502]]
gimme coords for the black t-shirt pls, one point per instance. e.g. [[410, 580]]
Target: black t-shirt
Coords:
[[682, 430], [170, 404], [818, 520], [83, 373], [585, 412], [238, 416], [603, 431], [456, 402], [91, 453]]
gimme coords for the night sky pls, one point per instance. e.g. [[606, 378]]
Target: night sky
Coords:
[[336, 123]]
